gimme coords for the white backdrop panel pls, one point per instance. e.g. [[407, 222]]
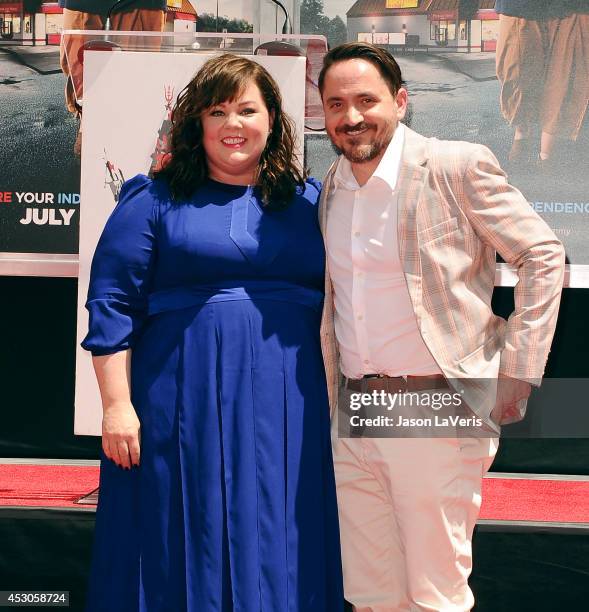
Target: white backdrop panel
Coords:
[[125, 94]]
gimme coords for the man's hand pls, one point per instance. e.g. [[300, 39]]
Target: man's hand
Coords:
[[120, 434], [510, 391]]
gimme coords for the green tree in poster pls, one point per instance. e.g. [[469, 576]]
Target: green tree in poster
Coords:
[[337, 32], [208, 23], [313, 21]]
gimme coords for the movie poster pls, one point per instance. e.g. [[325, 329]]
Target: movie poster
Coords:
[[128, 97], [534, 117], [475, 75], [39, 173]]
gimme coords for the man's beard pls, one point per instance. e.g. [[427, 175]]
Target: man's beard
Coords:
[[361, 153]]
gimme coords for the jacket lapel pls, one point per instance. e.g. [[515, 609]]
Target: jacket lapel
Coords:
[[323, 199], [328, 342], [412, 178]]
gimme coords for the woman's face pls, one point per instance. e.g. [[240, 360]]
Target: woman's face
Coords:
[[234, 136]]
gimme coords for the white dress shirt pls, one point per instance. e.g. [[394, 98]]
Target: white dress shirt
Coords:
[[375, 323]]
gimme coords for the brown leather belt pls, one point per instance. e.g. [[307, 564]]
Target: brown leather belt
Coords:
[[396, 384]]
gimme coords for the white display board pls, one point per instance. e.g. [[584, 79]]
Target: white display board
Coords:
[[397, 38], [127, 100]]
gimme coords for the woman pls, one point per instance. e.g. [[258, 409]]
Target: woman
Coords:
[[205, 302]]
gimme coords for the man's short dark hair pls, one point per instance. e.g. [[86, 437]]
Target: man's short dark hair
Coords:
[[382, 60]]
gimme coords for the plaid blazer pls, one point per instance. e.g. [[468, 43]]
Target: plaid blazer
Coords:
[[455, 211]]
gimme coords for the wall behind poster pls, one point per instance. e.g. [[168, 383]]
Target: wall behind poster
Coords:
[[128, 97]]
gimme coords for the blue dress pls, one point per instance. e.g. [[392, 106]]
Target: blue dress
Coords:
[[233, 506]]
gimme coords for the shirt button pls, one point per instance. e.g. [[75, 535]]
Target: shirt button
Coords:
[[357, 234], [366, 361], [360, 317]]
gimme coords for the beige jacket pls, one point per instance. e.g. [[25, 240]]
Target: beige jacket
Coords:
[[455, 210]]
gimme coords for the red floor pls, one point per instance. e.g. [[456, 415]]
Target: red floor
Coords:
[[503, 498], [518, 499], [45, 485]]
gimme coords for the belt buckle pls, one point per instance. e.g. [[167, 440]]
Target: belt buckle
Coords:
[[367, 382], [387, 385]]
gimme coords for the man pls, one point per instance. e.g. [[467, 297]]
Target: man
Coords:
[[411, 226], [128, 15]]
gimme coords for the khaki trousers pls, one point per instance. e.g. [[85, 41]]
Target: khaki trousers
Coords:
[[147, 20], [543, 68], [407, 510]]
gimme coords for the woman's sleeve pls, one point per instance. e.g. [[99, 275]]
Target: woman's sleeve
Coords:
[[121, 271], [312, 190]]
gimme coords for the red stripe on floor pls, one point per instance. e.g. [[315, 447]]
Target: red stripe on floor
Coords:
[[45, 485], [506, 499], [503, 499]]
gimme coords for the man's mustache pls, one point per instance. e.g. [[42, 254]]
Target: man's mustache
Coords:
[[350, 129]]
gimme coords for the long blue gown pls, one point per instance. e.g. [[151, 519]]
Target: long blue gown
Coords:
[[233, 506]]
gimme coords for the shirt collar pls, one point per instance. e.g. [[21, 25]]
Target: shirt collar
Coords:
[[387, 170]]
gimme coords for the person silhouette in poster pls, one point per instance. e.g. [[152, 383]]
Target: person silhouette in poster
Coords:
[[543, 67], [132, 15]]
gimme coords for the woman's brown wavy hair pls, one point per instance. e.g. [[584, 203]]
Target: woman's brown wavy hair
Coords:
[[223, 79]]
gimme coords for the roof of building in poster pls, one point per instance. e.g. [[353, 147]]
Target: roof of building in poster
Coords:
[[182, 6], [454, 5], [378, 8]]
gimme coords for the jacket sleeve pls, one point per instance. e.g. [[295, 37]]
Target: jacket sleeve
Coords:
[[503, 218]]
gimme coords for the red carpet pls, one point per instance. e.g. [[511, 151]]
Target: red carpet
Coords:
[[504, 499], [45, 485], [518, 499]]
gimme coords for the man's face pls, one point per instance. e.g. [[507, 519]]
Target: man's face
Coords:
[[361, 113]]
